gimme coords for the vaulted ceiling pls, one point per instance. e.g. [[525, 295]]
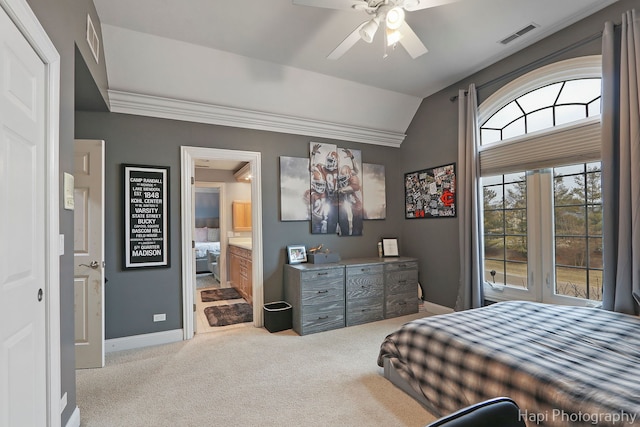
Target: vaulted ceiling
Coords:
[[253, 63]]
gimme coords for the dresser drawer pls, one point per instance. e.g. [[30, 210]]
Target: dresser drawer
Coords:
[[365, 285], [401, 304], [323, 317], [329, 274], [322, 291], [364, 310], [399, 282], [399, 266]]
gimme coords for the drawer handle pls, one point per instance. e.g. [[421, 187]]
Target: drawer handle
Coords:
[[402, 303], [402, 281], [402, 265], [323, 317], [323, 274], [323, 292], [365, 269]]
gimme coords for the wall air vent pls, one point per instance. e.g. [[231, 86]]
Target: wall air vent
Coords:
[[519, 33], [92, 39]]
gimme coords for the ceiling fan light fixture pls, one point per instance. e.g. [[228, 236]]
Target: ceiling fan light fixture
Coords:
[[394, 18], [369, 29], [393, 36]]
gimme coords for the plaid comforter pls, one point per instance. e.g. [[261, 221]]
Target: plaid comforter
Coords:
[[564, 366]]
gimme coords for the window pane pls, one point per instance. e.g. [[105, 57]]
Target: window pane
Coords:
[[504, 116], [594, 187], [568, 190], [571, 251], [570, 221], [595, 285], [595, 220], [494, 247], [539, 120], [568, 170], [492, 197], [489, 135], [594, 166], [540, 98], [571, 282], [516, 221], [516, 274], [494, 222], [580, 91], [514, 129], [491, 180], [515, 177], [494, 271], [594, 108], [516, 248], [515, 195], [595, 253], [570, 113]]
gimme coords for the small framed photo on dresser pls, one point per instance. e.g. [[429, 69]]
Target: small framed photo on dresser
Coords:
[[390, 247], [296, 254]]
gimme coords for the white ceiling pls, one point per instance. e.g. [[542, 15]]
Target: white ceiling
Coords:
[[254, 51]]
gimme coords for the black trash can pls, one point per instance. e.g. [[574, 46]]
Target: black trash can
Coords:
[[277, 316]]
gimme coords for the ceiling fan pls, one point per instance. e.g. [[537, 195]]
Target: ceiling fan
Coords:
[[389, 14]]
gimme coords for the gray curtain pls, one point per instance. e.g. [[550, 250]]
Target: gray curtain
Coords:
[[470, 293], [621, 163]]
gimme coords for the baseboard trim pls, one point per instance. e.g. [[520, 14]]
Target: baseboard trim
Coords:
[[434, 308], [74, 419], [144, 340]]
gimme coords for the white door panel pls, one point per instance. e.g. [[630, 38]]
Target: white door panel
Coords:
[[88, 251], [23, 383]]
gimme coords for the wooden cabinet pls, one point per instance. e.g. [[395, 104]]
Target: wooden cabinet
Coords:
[[364, 292], [351, 292], [240, 271], [241, 215], [316, 295], [400, 287]]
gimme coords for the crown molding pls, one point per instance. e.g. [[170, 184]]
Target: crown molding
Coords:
[[167, 108]]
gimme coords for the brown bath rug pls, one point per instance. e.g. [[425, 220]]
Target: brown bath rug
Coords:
[[219, 294], [223, 315]]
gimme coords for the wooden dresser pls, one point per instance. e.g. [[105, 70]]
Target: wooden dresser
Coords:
[[351, 292]]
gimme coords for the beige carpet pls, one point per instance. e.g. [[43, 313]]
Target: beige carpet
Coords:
[[250, 377]]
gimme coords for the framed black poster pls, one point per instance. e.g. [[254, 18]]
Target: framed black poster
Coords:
[[146, 216], [431, 193]]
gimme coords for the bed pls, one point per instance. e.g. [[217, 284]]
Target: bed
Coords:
[[564, 366], [207, 245]]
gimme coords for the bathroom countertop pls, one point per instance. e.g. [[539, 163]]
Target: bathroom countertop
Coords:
[[241, 242]]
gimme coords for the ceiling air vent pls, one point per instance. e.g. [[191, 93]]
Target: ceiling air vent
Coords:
[[92, 39], [519, 33]]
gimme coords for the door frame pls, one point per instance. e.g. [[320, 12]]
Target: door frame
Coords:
[[187, 162], [28, 24]]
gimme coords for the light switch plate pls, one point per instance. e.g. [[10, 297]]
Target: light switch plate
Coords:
[[68, 191]]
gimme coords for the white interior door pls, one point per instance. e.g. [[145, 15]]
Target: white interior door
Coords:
[[23, 354], [88, 253]]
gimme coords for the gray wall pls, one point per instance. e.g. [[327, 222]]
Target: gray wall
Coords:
[[132, 297], [432, 141], [65, 23]]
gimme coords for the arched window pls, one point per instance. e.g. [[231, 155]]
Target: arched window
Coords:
[[540, 166]]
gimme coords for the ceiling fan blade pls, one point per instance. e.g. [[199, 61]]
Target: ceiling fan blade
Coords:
[[411, 42], [331, 4], [411, 5], [347, 43]]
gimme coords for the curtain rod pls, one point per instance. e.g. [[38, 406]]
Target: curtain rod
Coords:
[[537, 62]]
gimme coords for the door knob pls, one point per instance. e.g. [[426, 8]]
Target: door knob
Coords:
[[94, 265]]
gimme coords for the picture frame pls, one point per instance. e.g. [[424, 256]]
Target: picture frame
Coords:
[[390, 247], [296, 254], [431, 192], [146, 216]]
